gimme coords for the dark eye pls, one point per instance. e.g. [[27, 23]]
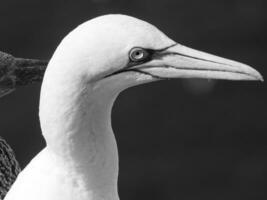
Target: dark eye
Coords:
[[138, 54]]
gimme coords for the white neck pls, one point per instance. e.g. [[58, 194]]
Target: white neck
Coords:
[[76, 123]]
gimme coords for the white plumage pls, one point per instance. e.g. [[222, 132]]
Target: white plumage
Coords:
[[91, 66]]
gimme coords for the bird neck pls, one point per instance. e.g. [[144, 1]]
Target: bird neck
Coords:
[[76, 124]]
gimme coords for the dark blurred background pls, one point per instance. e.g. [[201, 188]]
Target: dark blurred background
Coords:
[[181, 139]]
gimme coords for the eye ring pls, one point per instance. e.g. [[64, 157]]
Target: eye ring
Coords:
[[138, 54]]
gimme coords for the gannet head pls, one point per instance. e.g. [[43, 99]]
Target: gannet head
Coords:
[[119, 51]]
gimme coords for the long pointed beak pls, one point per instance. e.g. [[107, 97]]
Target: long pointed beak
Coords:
[[16, 72], [179, 61]]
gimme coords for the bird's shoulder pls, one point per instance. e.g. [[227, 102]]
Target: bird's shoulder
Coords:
[[44, 178]]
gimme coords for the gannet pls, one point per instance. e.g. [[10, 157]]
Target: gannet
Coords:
[[90, 67], [14, 72]]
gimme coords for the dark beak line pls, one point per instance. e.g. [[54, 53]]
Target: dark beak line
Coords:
[[166, 48], [186, 68], [169, 53], [196, 58]]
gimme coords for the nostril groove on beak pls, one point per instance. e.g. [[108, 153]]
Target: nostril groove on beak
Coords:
[[169, 53]]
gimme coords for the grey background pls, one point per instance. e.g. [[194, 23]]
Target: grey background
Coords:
[[180, 139]]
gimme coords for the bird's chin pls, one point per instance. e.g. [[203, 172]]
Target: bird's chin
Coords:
[[147, 75], [123, 80], [138, 77]]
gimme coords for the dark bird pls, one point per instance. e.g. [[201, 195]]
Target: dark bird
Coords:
[[14, 72]]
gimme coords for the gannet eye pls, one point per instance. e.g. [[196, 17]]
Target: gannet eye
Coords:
[[138, 54]]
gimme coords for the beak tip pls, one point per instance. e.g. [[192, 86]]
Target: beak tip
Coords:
[[253, 73], [261, 78], [258, 76]]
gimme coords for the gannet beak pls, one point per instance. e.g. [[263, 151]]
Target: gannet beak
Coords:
[[179, 61], [16, 72]]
